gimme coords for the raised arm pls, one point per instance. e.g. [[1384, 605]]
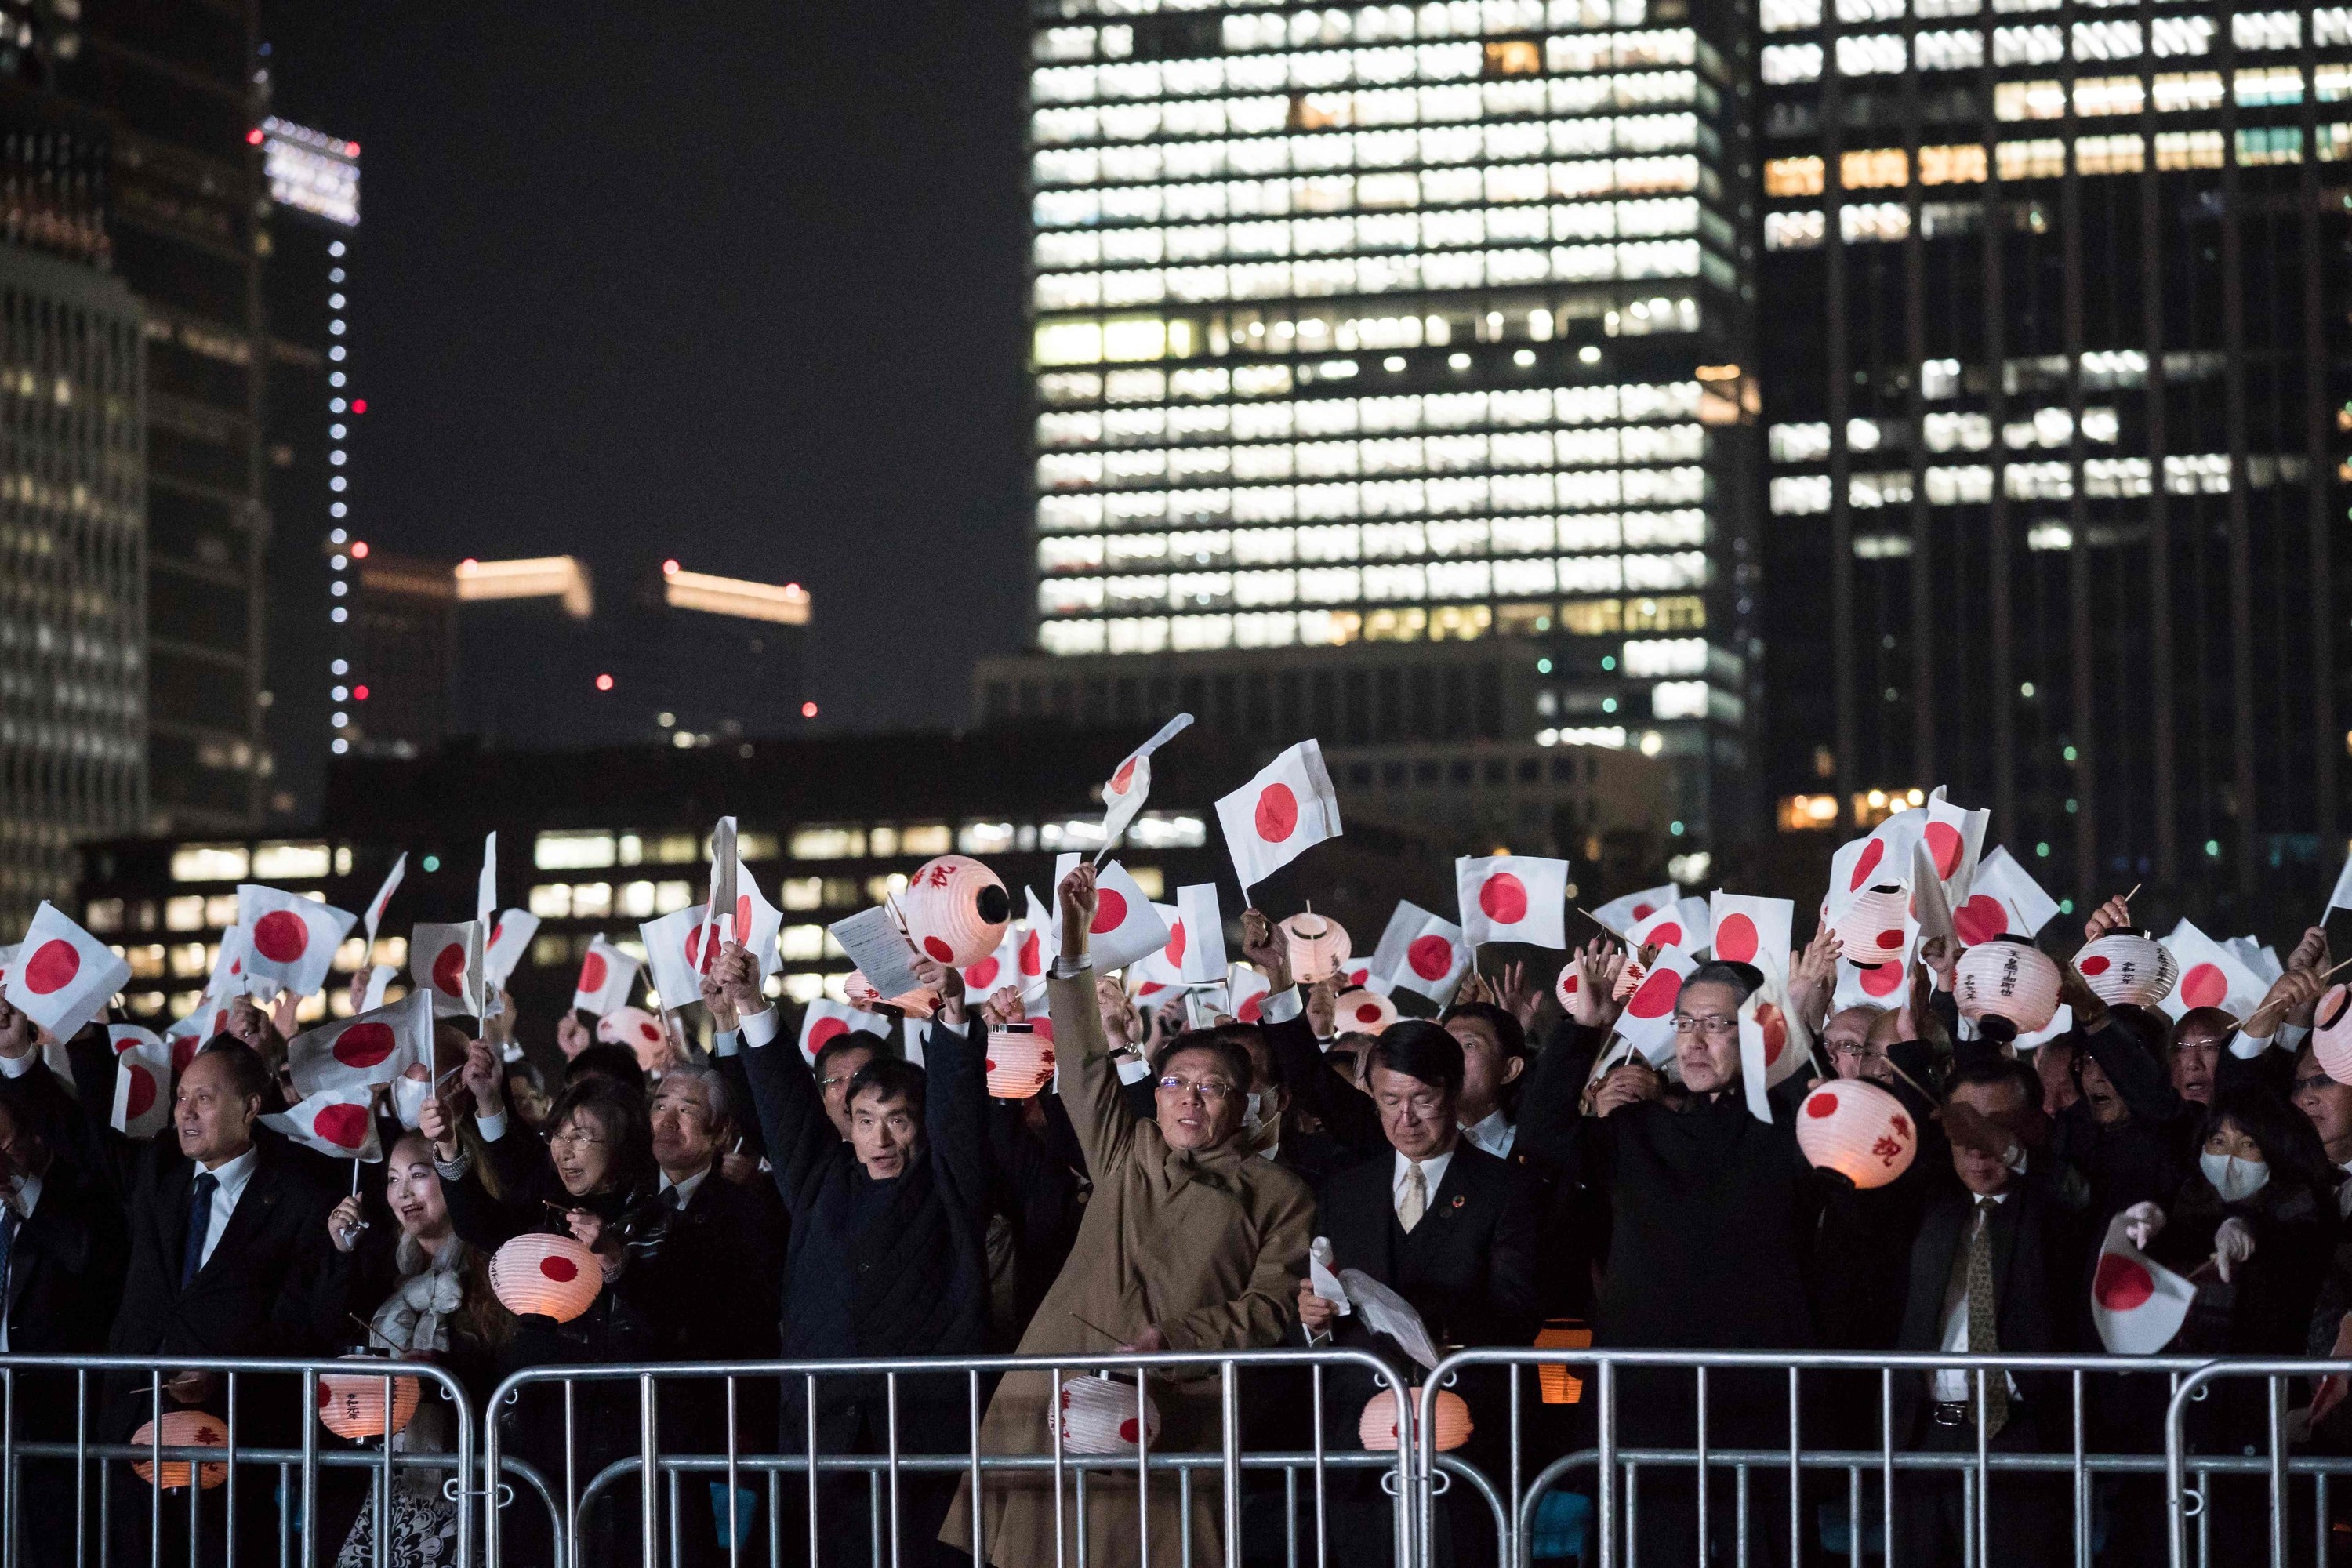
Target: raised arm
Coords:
[[1089, 1088], [791, 1109], [955, 1103], [1347, 1113]]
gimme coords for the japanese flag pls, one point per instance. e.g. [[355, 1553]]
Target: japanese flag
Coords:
[[1883, 856], [824, 1020], [446, 961], [2138, 1303], [380, 980], [2341, 899], [679, 956], [1881, 986], [755, 922], [2002, 900], [63, 976], [1288, 808], [1197, 939], [1422, 951], [1245, 992], [1131, 782], [2210, 976], [228, 977], [1620, 914], [485, 891], [142, 1075], [1647, 1024], [367, 1049], [1773, 1043], [1953, 838], [1033, 957], [375, 916], [336, 1122], [7, 957], [607, 977], [998, 970], [1125, 925], [290, 940], [508, 939], [1513, 897], [2262, 962], [1152, 977], [1684, 924]]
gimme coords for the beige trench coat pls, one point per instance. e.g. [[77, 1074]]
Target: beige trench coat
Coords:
[[1209, 1245]]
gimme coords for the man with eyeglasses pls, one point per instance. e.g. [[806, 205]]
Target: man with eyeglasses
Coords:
[[2327, 1106]]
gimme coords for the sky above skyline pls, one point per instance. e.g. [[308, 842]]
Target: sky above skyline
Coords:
[[739, 285]]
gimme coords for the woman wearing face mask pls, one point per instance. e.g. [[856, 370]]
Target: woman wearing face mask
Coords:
[[424, 1295]]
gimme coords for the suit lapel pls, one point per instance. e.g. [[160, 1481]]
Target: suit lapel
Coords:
[[252, 1212], [2004, 1222], [171, 1219]]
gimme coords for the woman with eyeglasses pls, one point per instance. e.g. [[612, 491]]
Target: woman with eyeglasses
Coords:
[[1188, 1243]]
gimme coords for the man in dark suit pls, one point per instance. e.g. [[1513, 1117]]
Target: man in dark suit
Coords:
[[1451, 1229], [225, 1232], [1995, 1264]]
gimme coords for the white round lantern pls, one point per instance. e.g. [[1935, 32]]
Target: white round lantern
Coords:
[[1362, 1013], [183, 1429], [1098, 1416], [1377, 1427], [1563, 989], [1020, 1062], [1857, 1130], [351, 1405], [956, 910], [1629, 979], [2128, 966], [641, 1032], [1318, 946], [2331, 1033], [545, 1275], [2008, 985], [859, 993], [1871, 931]]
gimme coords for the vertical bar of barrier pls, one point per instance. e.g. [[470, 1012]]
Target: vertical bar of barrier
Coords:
[[1511, 1513], [155, 1469], [1322, 1511], [2319, 1511], [1796, 1474], [676, 1548], [1080, 1513], [2082, 1481], [808, 1385], [106, 1515], [1705, 1524], [890, 1422], [1290, 1517], [8, 1461], [1853, 1515], [229, 1500], [2276, 1436], [1606, 1493], [285, 1519], [979, 1546], [384, 1491], [307, 1414], [467, 1439], [1980, 1524], [649, 1474], [571, 1491], [81, 1468], [1739, 1497], [1967, 1512], [734, 1511], [1887, 1461], [1230, 1423], [874, 1519], [2204, 1516], [1144, 1483], [1054, 1431], [775, 1517], [1184, 1518]]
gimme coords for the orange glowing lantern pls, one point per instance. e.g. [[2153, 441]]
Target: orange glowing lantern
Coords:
[[1377, 1430], [1020, 1062], [1318, 946], [184, 1429], [956, 910], [547, 1276], [351, 1404], [858, 991], [1098, 1416], [1561, 1386], [1857, 1130]]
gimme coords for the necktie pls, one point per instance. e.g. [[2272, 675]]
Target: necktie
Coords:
[[1416, 1202], [9, 1223], [672, 1199], [1984, 1337], [200, 1223]]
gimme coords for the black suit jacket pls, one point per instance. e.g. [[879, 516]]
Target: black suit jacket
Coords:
[[65, 1269], [252, 1298]]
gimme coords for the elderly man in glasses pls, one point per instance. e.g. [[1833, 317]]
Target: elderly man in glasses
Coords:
[[1711, 1216]]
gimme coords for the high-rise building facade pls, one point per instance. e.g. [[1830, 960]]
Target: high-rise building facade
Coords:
[[2056, 426], [73, 628], [1405, 323]]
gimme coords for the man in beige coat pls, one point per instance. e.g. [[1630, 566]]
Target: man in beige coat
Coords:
[[1188, 1243]]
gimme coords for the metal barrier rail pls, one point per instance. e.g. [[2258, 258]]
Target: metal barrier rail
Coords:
[[229, 1458], [2275, 1466]]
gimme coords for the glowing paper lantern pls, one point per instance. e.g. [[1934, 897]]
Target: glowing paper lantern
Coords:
[[1098, 1416], [351, 1405], [1564, 988], [862, 994], [1870, 929], [184, 1429], [2128, 966], [1629, 979], [2331, 1034], [1377, 1430], [1020, 1062], [1362, 1013], [2006, 982], [1857, 1130], [640, 1031], [1561, 1386], [547, 1275], [1318, 946], [956, 910]]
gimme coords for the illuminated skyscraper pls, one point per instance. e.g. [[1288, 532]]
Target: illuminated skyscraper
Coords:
[[1403, 324], [2056, 458]]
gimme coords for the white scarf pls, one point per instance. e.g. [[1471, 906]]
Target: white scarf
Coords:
[[414, 1319]]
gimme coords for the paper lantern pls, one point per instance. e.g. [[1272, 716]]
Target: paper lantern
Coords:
[[184, 1429], [1020, 1062], [1857, 1130], [2331, 1034], [547, 1275], [1377, 1430], [1870, 932], [1362, 1013], [1629, 979], [2008, 982], [351, 1404], [640, 1031], [1561, 1386], [1098, 1416], [1318, 946], [956, 910], [2128, 966], [859, 991], [1564, 988]]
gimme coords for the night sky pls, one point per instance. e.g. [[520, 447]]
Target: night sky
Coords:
[[738, 283]]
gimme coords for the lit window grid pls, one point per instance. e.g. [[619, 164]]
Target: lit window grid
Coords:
[[2095, 39], [2102, 478]]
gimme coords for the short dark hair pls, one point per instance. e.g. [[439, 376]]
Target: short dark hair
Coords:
[[1417, 1048], [2205, 1017], [855, 1040], [892, 1079], [1744, 978], [1232, 1053], [1254, 1045], [614, 1063], [248, 1072], [1995, 1072], [619, 1114], [1510, 1033]]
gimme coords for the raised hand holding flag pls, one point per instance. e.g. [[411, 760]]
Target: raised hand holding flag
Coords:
[[1131, 782]]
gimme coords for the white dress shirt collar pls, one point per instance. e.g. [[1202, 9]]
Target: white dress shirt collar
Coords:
[[1493, 1132], [1433, 1172]]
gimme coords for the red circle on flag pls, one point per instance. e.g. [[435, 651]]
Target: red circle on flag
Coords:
[[1668, 934], [1042, 1028], [1821, 1104], [1881, 980], [1980, 920], [743, 918], [1735, 940], [450, 970], [1656, 997], [280, 936], [1944, 844], [939, 949], [364, 1045], [1248, 1011], [52, 967], [1110, 912], [141, 1093], [1776, 1033], [1431, 956], [1119, 780], [2097, 963], [1503, 899], [497, 930], [593, 970], [1871, 854], [824, 1030], [1277, 813], [1367, 1013], [2205, 986], [1031, 964], [978, 976], [563, 1270], [1644, 912], [344, 1126], [1175, 950], [694, 947], [2121, 1283]]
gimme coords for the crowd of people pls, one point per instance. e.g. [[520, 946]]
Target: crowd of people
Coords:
[[748, 1202]]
